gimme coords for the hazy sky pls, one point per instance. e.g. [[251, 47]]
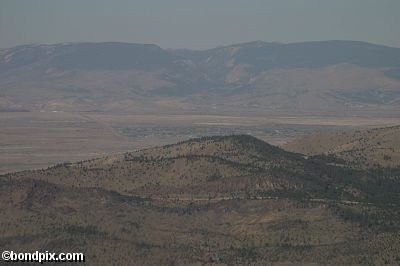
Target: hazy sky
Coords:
[[198, 24]]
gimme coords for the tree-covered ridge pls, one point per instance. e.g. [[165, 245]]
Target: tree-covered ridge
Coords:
[[216, 200]]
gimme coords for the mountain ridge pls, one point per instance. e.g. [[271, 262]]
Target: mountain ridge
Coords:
[[153, 203], [242, 163], [251, 77], [369, 148]]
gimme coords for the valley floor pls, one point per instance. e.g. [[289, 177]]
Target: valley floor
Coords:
[[30, 140]]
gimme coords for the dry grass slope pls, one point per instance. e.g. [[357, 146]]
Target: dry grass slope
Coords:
[[231, 200], [364, 148]]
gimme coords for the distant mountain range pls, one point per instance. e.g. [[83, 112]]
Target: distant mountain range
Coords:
[[327, 77]]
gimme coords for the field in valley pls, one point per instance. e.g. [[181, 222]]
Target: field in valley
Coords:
[[30, 140]]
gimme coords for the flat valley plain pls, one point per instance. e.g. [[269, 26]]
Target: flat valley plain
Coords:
[[33, 140]]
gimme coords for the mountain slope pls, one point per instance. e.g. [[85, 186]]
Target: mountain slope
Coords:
[[215, 200], [257, 76], [112, 229], [363, 148], [231, 166]]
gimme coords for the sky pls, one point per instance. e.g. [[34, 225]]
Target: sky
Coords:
[[198, 24]]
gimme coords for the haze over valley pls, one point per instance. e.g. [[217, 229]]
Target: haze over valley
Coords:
[[73, 101], [200, 132], [330, 78]]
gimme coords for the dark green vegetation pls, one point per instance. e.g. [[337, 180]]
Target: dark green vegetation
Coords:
[[213, 200]]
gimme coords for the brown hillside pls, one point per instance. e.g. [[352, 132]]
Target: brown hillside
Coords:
[[365, 148], [231, 200]]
